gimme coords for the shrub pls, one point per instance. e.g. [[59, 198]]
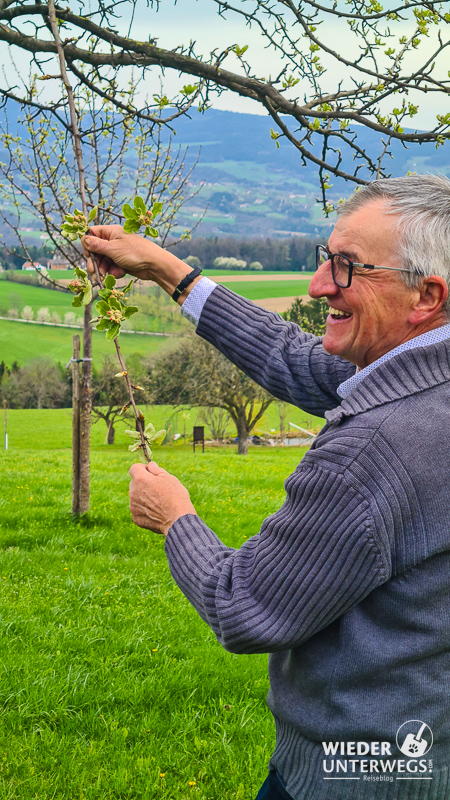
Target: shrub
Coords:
[[43, 315], [27, 313]]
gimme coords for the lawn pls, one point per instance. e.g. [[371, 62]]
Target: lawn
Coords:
[[253, 290], [17, 295], [20, 341], [112, 686]]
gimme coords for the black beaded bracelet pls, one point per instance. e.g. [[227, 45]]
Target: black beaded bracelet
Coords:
[[185, 282]]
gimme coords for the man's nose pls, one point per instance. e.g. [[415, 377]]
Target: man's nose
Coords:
[[322, 284]]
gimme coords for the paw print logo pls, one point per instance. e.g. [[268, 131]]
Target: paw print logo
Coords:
[[414, 738]]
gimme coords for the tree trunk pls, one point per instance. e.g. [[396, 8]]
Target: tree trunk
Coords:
[[85, 411], [242, 432], [76, 426], [111, 433]]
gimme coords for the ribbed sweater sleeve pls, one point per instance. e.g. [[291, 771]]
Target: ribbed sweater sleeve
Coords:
[[278, 355], [309, 564]]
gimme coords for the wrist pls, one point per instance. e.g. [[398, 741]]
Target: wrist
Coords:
[[168, 271], [182, 512]]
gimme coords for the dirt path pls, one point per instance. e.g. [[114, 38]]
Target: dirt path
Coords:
[[279, 303]]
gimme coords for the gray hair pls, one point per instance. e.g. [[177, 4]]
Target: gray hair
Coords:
[[422, 206]]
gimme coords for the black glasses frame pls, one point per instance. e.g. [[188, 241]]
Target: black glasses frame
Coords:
[[322, 251]]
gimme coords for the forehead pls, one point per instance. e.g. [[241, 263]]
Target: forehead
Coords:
[[368, 234]]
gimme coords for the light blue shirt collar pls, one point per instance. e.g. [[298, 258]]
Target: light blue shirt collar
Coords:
[[430, 337]]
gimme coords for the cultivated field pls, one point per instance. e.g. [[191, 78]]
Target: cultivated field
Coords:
[[112, 686]]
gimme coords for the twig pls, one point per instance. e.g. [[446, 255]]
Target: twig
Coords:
[[136, 412]]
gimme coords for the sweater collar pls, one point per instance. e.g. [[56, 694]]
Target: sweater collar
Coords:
[[405, 374]]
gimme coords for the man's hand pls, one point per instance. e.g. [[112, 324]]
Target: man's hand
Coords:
[[118, 253], [157, 499]]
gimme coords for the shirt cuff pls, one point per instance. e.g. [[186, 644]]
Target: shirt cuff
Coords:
[[196, 299]]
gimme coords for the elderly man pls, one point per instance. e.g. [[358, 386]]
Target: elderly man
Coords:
[[347, 585]]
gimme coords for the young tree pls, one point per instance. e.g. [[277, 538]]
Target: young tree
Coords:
[[196, 374], [85, 153], [317, 94], [310, 316], [217, 420]]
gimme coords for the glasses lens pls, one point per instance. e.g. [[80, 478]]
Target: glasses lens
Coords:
[[322, 255], [341, 271]]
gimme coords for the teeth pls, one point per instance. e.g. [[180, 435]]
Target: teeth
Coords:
[[337, 313]]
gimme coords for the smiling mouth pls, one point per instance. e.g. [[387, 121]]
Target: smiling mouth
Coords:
[[336, 313]]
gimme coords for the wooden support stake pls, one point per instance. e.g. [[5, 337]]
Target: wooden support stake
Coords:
[[85, 411], [76, 426]]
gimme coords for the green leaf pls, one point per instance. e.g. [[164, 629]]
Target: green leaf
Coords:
[[158, 437], [87, 296], [128, 312], [92, 214], [110, 282], [134, 447], [103, 325], [105, 293], [102, 308], [113, 331], [128, 287], [113, 303], [149, 429], [78, 213], [133, 434], [76, 302], [80, 273], [142, 457], [131, 226], [151, 232], [129, 212], [140, 205], [156, 209]]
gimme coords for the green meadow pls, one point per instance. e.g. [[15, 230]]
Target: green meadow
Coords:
[[111, 685], [259, 290], [21, 341]]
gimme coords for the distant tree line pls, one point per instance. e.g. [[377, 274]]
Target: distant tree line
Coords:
[[293, 253]]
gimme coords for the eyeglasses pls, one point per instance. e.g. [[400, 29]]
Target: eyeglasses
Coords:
[[342, 267]]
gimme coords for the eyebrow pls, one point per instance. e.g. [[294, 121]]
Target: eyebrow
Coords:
[[348, 254]]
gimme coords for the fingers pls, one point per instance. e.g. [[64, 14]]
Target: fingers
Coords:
[[141, 470], [96, 244], [102, 248], [154, 469], [106, 231], [137, 470]]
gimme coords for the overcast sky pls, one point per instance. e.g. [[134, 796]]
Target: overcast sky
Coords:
[[176, 24]]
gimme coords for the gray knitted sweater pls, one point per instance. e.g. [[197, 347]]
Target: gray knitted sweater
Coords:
[[347, 585]]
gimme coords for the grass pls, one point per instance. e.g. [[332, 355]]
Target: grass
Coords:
[[253, 290], [22, 342], [112, 686], [18, 295]]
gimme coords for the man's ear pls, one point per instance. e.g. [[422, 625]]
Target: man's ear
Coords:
[[429, 299]]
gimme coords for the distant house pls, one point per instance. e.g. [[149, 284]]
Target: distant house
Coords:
[[32, 265], [58, 262]]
